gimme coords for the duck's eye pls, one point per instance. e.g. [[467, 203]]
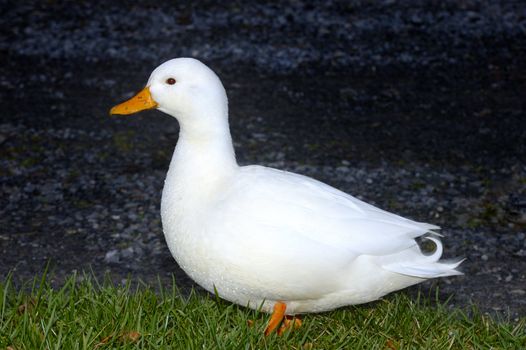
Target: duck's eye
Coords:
[[170, 81]]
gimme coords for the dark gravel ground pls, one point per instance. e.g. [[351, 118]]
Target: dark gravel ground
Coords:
[[417, 108]]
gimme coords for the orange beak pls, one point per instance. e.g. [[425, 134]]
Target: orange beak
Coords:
[[140, 102]]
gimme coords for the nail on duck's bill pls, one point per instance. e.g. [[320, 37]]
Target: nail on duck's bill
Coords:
[[140, 102]]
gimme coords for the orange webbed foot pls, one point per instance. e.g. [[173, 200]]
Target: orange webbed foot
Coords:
[[290, 322], [276, 318]]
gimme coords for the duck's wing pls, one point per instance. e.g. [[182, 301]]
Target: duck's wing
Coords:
[[321, 213]]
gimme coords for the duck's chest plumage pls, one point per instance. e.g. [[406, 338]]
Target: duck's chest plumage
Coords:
[[185, 234], [189, 205], [197, 246]]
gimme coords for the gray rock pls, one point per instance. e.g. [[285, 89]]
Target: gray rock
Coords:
[[112, 257]]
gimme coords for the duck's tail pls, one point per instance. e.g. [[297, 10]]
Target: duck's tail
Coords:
[[413, 262]]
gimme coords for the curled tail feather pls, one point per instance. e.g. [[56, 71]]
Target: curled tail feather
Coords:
[[413, 262]]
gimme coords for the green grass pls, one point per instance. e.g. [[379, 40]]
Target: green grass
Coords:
[[84, 314]]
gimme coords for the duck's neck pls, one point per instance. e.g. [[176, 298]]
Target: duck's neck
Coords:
[[203, 160]]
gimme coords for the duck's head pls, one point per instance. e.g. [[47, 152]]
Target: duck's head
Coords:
[[184, 88]]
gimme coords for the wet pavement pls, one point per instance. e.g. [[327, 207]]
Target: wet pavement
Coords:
[[418, 109]]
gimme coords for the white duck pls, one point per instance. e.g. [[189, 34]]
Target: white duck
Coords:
[[268, 238]]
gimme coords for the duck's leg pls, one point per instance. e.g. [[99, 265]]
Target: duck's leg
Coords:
[[276, 318], [293, 322]]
